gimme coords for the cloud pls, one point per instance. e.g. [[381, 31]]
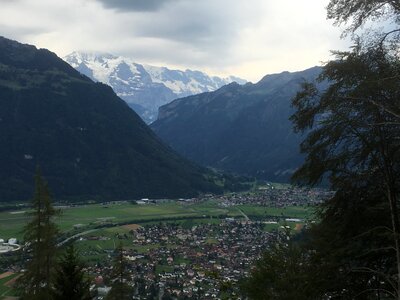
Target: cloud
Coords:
[[21, 32], [195, 33], [135, 5], [248, 38]]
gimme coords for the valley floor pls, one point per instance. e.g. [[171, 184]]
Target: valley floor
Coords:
[[193, 248]]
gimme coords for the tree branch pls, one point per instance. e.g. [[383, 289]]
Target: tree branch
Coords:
[[386, 35], [380, 274]]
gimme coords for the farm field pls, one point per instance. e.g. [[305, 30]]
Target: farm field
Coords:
[[301, 212], [6, 281], [99, 228], [90, 216]]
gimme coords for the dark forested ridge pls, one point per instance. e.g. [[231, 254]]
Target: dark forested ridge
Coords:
[[87, 141], [239, 128]]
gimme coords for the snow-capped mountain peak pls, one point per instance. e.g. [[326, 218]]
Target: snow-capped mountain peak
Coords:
[[145, 88]]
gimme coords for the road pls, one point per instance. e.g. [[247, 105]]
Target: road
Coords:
[[244, 215], [76, 236]]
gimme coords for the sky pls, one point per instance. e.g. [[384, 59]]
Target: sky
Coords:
[[245, 38]]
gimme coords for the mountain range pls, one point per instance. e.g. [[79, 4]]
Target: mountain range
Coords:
[[88, 143], [239, 128], [145, 88]]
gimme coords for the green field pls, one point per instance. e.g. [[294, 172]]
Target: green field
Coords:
[[97, 215], [4, 289], [301, 212], [102, 225]]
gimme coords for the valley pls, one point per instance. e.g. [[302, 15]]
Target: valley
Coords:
[[273, 201], [129, 172], [244, 129], [196, 247]]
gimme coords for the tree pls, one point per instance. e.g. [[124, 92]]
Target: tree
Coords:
[[354, 137], [352, 248], [358, 12], [281, 273], [40, 239], [120, 289], [70, 281], [354, 141]]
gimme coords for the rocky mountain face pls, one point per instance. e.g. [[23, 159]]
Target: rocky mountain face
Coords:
[[145, 88], [243, 129], [88, 143]]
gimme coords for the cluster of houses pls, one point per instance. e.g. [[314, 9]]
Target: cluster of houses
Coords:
[[205, 261], [278, 197], [202, 262]]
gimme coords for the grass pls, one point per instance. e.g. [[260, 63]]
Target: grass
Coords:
[[301, 212], [11, 223], [4, 289], [90, 216], [94, 249], [164, 269]]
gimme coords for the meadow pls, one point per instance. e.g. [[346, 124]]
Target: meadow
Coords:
[[77, 219], [6, 289]]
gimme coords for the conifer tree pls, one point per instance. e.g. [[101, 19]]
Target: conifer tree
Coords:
[[40, 239], [70, 281]]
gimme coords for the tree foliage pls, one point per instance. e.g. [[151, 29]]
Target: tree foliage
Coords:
[[70, 281], [354, 120], [281, 273], [352, 246], [40, 239], [354, 141], [358, 12]]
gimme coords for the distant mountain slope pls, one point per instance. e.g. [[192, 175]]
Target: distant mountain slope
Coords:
[[87, 141], [244, 129], [145, 88]]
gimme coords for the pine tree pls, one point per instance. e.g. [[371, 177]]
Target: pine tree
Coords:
[[120, 290], [70, 281], [40, 239]]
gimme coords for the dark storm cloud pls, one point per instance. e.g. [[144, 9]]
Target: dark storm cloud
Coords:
[[201, 23], [187, 27], [135, 5]]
